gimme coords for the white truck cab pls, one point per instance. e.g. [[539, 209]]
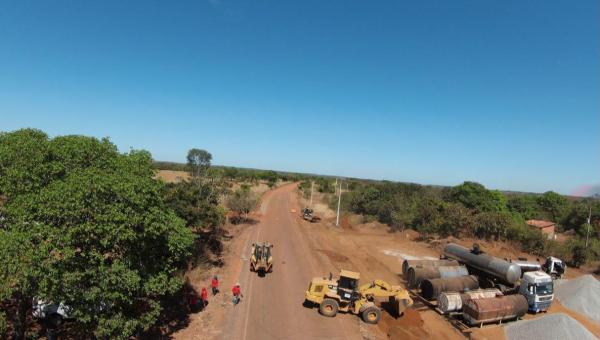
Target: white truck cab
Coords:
[[555, 267], [538, 289]]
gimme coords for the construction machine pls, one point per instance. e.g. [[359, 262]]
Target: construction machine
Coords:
[[261, 258], [345, 295]]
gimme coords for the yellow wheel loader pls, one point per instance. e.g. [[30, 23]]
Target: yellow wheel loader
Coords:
[[261, 259], [344, 295]]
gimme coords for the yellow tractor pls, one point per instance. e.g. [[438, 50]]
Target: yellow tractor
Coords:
[[261, 259], [344, 295]]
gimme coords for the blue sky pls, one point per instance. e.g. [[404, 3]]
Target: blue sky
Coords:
[[506, 93]]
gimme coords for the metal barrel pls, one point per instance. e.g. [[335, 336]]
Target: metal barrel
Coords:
[[528, 266], [449, 302], [406, 264], [432, 288], [501, 269], [416, 275], [453, 301], [477, 312]]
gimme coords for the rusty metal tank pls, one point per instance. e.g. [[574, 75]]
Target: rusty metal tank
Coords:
[[406, 264], [453, 302], [432, 288], [417, 274], [496, 309], [498, 268]]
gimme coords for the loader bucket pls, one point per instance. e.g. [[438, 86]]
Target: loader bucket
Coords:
[[397, 305]]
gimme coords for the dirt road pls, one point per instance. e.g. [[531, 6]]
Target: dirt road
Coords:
[[272, 305]]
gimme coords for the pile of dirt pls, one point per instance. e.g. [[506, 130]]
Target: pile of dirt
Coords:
[[581, 295], [550, 327]]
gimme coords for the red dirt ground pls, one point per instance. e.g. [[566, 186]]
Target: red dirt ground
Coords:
[[272, 305]]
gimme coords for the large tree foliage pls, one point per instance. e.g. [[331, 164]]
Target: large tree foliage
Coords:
[[198, 161], [555, 205], [475, 196], [111, 247]]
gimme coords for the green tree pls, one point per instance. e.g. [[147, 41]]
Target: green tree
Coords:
[[242, 201], [475, 196], [198, 161], [555, 205], [525, 205], [20, 258], [492, 225], [110, 247], [456, 219]]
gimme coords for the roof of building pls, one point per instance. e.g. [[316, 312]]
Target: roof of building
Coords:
[[540, 223]]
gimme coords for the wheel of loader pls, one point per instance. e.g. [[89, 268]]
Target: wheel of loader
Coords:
[[371, 315], [329, 307]]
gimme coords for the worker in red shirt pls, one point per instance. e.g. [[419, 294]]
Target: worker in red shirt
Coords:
[[192, 298], [237, 293], [215, 285], [204, 297]]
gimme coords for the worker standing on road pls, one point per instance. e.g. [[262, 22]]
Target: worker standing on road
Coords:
[[215, 285], [192, 299], [204, 297], [237, 293]]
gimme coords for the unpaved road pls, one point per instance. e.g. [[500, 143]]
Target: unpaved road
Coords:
[[272, 305]]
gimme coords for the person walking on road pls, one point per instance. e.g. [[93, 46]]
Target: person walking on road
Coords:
[[237, 293], [215, 285], [204, 297]]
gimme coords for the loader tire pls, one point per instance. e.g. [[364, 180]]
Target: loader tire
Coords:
[[329, 307], [371, 315]]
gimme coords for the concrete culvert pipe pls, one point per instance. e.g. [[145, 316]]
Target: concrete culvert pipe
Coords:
[[406, 264], [416, 275], [453, 301], [478, 312], [432, 288]]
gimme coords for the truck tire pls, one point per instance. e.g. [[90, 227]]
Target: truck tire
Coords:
[[371, 315], [329, 307]]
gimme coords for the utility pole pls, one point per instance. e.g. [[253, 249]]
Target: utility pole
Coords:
[[312, 185], [337, 219], [589, 222]]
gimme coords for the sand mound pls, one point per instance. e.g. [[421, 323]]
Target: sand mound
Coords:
[[551, 327], [581, 295]]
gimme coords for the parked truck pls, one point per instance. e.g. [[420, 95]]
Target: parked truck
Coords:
[[492, 272]]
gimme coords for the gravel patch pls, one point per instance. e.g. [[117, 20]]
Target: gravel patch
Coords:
[[550, 327], [581, 295]]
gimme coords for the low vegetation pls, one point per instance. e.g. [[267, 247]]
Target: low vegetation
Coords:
[[471, 210]]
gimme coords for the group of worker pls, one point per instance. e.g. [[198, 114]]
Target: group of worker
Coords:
[[236, 292]]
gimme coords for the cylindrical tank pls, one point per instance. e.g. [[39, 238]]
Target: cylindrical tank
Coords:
[[528, 266], [432, 288], [498, 268], [453, 301], [416, 275], [477, 312], [406, 264]]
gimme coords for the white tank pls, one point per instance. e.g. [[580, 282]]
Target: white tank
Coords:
[[449, 302]]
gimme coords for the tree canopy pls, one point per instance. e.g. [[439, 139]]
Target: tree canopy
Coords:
[[106, 243]]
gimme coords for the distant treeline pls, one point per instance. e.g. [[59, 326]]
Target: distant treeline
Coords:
[[471, 210], [244, 174]]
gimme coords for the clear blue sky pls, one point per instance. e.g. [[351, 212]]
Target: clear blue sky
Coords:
[[506, 93]]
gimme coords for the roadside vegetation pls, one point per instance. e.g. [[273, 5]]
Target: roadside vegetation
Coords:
[[471, 210]]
